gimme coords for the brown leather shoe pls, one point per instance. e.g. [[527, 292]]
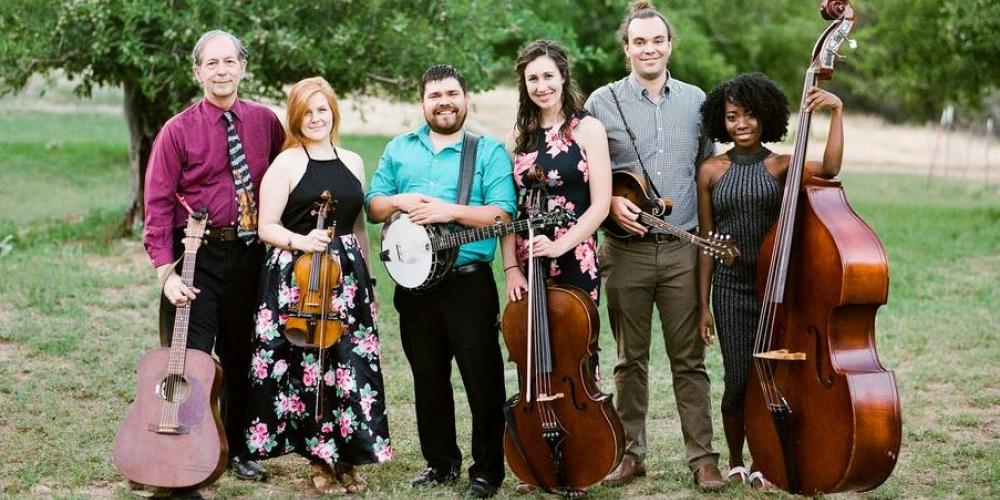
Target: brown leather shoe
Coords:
[[627, 470], [708, 477]]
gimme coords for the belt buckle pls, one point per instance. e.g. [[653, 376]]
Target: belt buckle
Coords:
[[225, 233]]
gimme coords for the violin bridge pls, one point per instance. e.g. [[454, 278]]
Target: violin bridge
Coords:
[[781, 355], [546, 397]]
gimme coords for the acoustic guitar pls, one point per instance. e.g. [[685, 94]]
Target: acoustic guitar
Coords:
[[172, 436]]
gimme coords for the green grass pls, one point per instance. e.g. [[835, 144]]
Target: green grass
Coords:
[[78, 308]]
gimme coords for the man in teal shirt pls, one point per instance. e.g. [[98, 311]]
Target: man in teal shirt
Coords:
[[418, 174]]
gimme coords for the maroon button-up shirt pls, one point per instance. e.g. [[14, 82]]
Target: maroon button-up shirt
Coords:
[[190, 157]]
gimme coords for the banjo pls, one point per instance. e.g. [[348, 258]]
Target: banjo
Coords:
[[418, 257]]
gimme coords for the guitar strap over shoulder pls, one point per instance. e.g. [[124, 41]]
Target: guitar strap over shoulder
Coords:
[[631, 136], [467, 168]]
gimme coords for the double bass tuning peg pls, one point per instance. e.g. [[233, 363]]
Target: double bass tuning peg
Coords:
[[852, 43]]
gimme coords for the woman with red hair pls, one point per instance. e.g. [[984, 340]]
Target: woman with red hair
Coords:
[[286, 379]]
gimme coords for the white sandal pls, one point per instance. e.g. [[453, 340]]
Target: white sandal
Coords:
[[739, 472], [760, 483]]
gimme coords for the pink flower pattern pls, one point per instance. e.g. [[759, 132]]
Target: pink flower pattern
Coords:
[[285, 378], [568, 178]]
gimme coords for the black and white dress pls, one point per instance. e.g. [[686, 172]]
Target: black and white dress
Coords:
[[284, 378]]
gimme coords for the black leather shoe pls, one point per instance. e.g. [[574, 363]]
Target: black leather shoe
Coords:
[[247, 470], [433, 477], [480, 488]]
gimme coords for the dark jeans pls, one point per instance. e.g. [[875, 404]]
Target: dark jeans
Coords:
[[458, 319], [222, 317]]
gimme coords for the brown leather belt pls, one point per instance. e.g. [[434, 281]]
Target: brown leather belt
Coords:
[[225, 233], [656, 238]]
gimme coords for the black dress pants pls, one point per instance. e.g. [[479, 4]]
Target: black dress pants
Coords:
[[222, 317], [458, 319]]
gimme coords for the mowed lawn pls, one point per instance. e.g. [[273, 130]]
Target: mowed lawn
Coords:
[[78, 308]]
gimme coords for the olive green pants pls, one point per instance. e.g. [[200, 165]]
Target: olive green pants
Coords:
[[638, 275]]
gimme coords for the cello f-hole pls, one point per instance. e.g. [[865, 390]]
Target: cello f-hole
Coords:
[[572, 393]]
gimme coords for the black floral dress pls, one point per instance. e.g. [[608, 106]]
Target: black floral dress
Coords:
[[567, 186], [284, 378]]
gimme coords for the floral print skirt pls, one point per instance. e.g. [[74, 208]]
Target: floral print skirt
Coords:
[[285, 379]]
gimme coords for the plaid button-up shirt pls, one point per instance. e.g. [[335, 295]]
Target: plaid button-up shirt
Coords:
[[668, 137]]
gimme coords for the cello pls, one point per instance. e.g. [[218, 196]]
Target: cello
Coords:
[[562, 433], [822, 414]]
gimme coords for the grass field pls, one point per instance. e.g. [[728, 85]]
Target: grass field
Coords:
[[77, 309]]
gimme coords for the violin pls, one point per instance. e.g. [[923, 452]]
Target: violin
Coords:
[[313, 323], [562, 433], [822, 413]]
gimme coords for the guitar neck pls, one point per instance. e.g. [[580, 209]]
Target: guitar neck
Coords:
[[460, 238], [178, 344], [653, 221]]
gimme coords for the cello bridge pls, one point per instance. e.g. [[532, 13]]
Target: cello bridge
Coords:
[[546, 397], [781, 355]]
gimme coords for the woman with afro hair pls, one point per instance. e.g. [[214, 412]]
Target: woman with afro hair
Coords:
[[739, 194]]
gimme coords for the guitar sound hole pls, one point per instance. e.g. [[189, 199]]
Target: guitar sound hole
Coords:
[[173, 389]]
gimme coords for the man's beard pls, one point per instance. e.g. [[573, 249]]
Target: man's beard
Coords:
[[447, 130]]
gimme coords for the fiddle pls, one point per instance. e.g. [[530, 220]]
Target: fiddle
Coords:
[[822, 414], [313, 324], [562, 433]]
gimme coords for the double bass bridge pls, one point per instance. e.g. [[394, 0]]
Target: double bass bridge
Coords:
[[781, 355]]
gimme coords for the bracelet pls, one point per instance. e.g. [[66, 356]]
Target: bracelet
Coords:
[[508, 268]]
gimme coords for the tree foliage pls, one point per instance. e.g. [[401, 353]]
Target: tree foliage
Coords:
[[918, 55], [915, 55], [371, 46]]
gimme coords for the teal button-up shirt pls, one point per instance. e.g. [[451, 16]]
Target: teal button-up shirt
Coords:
[[410, 165]]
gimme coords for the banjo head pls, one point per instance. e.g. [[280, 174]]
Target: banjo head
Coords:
[[407, 252]]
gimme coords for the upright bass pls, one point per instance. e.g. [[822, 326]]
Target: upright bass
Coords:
[[822, 414], [562, 434]]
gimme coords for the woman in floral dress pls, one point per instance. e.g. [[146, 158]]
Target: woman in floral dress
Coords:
[[286, 379], [554, 131]]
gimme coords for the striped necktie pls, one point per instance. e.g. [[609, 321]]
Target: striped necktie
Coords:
[[246, 206]]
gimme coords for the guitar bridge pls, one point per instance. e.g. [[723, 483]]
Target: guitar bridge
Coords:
[[168, 429]]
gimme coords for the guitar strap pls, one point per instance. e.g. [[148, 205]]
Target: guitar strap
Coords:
[[467, 168], [631, 136]]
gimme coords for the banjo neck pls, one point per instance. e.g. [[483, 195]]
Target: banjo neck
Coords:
[[459, 238]]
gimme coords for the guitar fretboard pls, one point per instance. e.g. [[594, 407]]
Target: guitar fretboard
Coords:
[[178, 345]]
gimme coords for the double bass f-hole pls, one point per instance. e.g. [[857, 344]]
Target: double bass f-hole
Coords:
[[823, 372]]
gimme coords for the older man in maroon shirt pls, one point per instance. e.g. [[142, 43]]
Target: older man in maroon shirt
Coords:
[[192, 158]]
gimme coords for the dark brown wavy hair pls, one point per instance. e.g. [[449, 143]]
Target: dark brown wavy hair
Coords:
[[528, 113]]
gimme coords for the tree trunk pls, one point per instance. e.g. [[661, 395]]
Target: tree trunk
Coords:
[[144, 121]]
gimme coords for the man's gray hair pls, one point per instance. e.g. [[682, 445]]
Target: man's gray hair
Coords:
[[208, 36]]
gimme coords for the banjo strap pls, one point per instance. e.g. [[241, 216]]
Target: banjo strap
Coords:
[[467, 167]]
